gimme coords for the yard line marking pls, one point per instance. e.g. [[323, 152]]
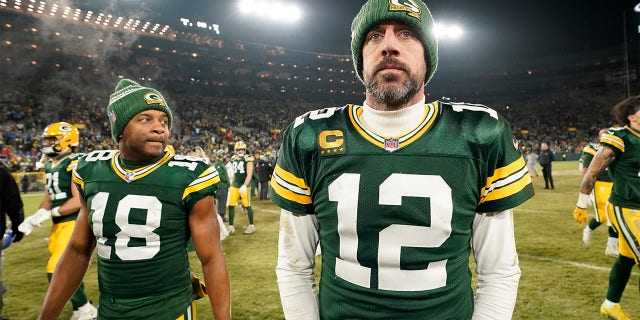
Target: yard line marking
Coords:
[[32, 194], [532, 257], [534, 211], [566, 173], [272, 211], [571, 263]]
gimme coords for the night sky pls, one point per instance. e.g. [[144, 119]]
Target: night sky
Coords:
[[494, 28]]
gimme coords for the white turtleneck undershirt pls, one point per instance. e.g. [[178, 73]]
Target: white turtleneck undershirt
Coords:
[[393, 123]]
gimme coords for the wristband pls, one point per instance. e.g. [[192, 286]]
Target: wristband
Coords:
[[583, 200], [55, 212]]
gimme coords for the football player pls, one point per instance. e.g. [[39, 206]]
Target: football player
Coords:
[[10, 205], [620, 152], [598, 198], [140, 205], [243, 166], [61, 203], [398, 191], [223, 189]]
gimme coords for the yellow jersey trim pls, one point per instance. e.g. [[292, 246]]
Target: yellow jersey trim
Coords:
[[430, 115]]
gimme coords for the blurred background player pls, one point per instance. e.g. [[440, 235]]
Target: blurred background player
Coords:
[[599, 197], [532, 162], [10, 205], [243, 173], [199, 153], [61, 203], [620, 152], [222, 192]]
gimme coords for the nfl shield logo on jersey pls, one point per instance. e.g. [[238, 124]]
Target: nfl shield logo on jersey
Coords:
[[391, 144], [129, 176]]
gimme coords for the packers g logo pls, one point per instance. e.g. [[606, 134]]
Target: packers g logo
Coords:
[[331, 142], [408, 6], [153, 97], [65, 128]]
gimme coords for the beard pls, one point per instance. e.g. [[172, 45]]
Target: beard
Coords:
[[388, 89], [393, 97]]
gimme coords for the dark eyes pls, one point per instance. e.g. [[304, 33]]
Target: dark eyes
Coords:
[[149, 119]]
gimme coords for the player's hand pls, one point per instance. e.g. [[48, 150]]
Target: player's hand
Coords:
[[39, 217], [17, 234], [580, 214], [198, 286], [243, 189], [26, 227]]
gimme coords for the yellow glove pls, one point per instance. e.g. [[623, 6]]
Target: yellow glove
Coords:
[[198, 286], [580, 214]]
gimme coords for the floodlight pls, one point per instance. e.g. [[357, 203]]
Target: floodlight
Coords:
[[446, 31]]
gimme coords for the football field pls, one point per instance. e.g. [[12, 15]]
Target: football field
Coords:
[[560, 278]]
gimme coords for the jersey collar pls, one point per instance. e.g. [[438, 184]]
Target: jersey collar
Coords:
[[130, 175], [391, 144]]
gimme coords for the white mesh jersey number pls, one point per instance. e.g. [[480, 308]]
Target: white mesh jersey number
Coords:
[[53, 186], [121, 247], [345, 191]]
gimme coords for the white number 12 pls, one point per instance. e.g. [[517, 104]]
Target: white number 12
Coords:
[[345, 191]]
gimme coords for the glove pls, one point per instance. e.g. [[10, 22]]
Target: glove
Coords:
[[199, 288], [39, 217], [580, 214], [35, 220], [17, 235], [26, 227], [243, 189]]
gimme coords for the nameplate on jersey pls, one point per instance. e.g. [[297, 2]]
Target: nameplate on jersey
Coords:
[[391, 144], [331, 142]]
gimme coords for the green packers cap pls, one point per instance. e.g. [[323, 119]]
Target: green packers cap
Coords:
[[413, 13], [129, 99]]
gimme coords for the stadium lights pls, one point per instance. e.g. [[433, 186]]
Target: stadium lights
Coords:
[[448, 31], [288, 12]]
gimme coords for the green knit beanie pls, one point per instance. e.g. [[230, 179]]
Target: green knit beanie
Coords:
[[413, 13], [129, 99]]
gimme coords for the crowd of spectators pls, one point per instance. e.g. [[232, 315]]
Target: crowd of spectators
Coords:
[[565, 120], [241, 91], [211, 122]]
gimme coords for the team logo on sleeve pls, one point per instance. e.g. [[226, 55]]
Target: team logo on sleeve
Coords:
[[331, 141]]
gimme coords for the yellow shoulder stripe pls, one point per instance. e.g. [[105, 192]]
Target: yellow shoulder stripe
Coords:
[[78, 180], [290, 187], [612, 140]]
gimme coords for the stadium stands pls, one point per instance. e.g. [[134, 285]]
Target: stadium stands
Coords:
[[223, 90]]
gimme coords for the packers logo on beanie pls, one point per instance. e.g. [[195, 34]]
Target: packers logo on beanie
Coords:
[[129, 99], [413, 13]]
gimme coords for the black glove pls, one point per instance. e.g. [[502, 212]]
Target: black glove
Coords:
[[15, 223], [17, 235]]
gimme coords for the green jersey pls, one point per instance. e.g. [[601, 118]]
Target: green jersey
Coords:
[[588, 152], [224, 176], [140, 219], [395, 213], [625, 169], [240, 164], [58, 184]]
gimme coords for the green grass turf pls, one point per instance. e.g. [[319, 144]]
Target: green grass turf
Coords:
[[560, 278]]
